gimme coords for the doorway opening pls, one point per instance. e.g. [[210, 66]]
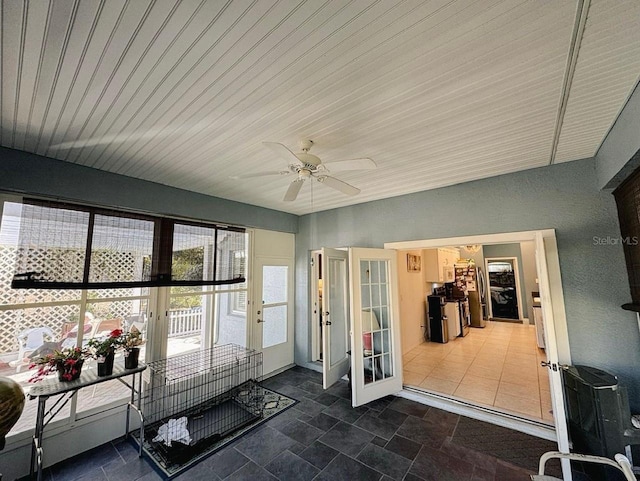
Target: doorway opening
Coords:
[[453, 347], [504, 289], [543, 264]]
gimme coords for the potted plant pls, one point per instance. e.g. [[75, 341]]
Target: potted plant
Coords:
[[103, 349], [131, 341], [67, 362]]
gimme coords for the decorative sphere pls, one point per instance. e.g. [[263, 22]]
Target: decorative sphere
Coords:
[[11, 406]]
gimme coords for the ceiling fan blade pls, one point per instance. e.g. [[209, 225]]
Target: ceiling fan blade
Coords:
[[283, 152], [338, 185], [350, 164], [260, 174], [292, 191]]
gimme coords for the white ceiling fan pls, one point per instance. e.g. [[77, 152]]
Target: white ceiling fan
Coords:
[[305, 165]]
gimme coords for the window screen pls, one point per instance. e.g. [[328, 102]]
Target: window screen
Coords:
[[193, 253], [63, 246], [230, 256], [121, 249], [52, 245]]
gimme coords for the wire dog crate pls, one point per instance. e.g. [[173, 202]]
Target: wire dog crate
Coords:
[[194, 400]]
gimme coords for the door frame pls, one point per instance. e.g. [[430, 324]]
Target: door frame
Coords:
[[557, 322], [315, 306], [516, 273]]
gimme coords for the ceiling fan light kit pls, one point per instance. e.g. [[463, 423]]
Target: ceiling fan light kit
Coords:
[[306, 165]]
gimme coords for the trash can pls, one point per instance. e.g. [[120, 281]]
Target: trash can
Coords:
[[598, 414]]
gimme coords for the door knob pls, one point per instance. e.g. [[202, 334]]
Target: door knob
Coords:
[[553, 366]]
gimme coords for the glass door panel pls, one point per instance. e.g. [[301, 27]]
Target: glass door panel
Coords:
[[274, 325], [376, 339], [274, 305], [274, 284], [376, 354]]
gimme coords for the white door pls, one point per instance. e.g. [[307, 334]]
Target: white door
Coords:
[[555, 376], [376, 360], [335, 315], [273, 312]]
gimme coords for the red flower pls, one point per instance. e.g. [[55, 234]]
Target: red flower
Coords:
[[116, 333]]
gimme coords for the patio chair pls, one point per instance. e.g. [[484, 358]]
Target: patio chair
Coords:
[[621, 463], [29, 340], [102, 327]]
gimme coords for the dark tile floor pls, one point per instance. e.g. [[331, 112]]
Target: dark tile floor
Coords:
[[324, 438]]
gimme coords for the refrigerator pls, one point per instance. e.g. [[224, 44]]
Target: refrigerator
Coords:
[[438, 328], [471, 278]]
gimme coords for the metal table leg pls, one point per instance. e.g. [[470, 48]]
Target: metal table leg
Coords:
[[136, 405], [36, 447]]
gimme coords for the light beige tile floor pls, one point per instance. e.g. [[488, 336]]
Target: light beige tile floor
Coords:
[[497, 366]]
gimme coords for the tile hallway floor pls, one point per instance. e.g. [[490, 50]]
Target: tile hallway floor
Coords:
[[497, 366], [324, 438]]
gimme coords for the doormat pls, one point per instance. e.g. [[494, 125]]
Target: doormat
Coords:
[[174, 460]]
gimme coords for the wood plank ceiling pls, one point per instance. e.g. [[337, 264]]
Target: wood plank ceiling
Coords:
[[436, 92]]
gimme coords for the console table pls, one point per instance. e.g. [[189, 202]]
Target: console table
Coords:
[[52, 387]]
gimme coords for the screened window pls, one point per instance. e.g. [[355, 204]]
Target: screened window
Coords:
[[63, 246]]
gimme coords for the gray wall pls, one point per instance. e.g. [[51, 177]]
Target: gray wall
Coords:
[[564, 197], [24, 173]]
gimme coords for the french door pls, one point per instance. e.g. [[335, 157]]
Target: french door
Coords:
[[376, 355], [551, 350], [335, 315], [370, 288], [273, 311]]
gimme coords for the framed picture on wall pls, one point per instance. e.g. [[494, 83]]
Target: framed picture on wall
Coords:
[[413, 263]]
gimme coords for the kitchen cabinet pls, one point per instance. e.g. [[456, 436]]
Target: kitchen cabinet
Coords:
[[438, 264]]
